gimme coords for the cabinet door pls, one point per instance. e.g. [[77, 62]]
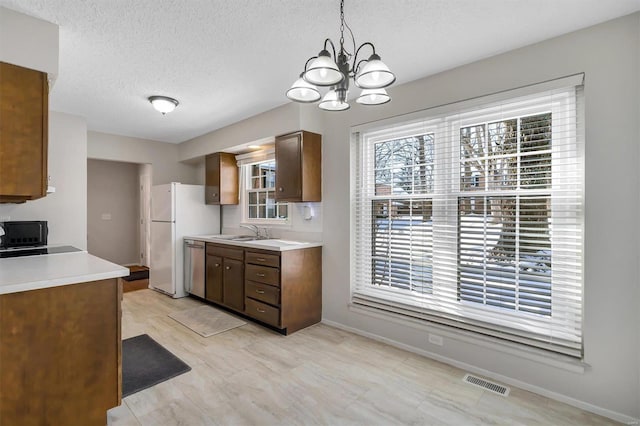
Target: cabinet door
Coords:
[[221, 179], [213, 286], [212, 166], [233, 284], [23, 133], [289, 167]]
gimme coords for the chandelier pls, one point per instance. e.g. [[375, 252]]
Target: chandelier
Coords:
[[325, 70]]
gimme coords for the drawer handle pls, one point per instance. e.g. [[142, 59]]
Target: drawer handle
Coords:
[[260, 275], [261, 259], [262, 311], [260, 291]]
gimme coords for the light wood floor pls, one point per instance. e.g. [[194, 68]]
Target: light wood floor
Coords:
[[317, 376]]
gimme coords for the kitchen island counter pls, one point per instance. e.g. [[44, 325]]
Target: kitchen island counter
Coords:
[[53, 270]]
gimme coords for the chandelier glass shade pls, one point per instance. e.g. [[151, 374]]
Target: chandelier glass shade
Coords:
[[303, 92], [334, 71]]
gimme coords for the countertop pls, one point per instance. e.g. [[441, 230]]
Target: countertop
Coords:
[[274, 244], [53, 270]]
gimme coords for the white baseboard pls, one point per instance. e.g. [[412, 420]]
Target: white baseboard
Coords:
[[619, 417]]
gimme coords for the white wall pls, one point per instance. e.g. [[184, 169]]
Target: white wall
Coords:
[[28, 42], [274, 122], [163, 157], [66, 209], [608, 54], [113, 210]]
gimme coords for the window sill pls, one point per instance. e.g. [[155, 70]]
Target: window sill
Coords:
[[521, 351]]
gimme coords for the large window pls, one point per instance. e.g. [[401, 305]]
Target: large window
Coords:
[[473, 218]]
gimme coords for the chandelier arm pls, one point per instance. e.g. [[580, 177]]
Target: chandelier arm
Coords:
[[307, 63], [355, 57], [335, 57], [357, 66]]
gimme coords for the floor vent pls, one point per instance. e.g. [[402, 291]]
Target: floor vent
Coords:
[[485, 384]]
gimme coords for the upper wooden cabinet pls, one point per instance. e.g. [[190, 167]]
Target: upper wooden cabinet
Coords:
[[299, 167], [24, 111], [221, 179]]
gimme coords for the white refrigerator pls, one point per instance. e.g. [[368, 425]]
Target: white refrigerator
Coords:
[[177, 211]]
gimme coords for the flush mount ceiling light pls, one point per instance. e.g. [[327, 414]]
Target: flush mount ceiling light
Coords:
[[163, 104], [334, 72]]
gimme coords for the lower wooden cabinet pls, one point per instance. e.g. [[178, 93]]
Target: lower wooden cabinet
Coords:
[[281, 289], [232, 284], [224, 281], [213, 279], [60, 354]]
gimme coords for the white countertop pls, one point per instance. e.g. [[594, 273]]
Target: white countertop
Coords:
[[274, 244], [53, 270]]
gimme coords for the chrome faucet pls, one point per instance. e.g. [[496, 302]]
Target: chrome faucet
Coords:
[[254, 228]]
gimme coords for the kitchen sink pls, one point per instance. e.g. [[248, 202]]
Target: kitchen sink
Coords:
[[272, 242], [244, 238]]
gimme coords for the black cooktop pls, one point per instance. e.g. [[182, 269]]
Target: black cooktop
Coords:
[[35, 251]]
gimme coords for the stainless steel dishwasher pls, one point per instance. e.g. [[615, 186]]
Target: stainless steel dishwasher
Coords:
[[194, 267]]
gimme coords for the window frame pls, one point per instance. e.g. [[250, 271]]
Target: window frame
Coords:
[[246, 188], [447, 131]]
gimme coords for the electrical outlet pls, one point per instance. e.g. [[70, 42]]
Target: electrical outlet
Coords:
[[435, 339]]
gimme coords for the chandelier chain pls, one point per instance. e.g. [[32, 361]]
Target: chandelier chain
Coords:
[[341, 26]]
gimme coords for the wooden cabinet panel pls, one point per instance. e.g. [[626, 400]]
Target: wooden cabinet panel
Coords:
[[298, 167], [289, 167], [263, 312], [225, 251], [263, 274], [60, 357], [263, 259], [221, 179], [213, 281], [24, 114], [263, 292], [233, 284]]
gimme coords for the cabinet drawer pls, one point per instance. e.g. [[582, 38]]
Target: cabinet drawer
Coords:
[[222, 251], [262, 312], [262, 274], [262, 292], [263, 259]]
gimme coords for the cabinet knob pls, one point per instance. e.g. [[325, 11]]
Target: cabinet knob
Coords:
[[281, 189], [227, 267], [217, 265], [214, 195]]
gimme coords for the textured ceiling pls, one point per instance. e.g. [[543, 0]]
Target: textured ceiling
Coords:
[[226, 60]]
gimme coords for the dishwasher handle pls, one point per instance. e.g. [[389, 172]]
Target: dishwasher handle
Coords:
[[195, 246]]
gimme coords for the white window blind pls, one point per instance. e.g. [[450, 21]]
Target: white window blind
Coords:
[[472, 216]]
